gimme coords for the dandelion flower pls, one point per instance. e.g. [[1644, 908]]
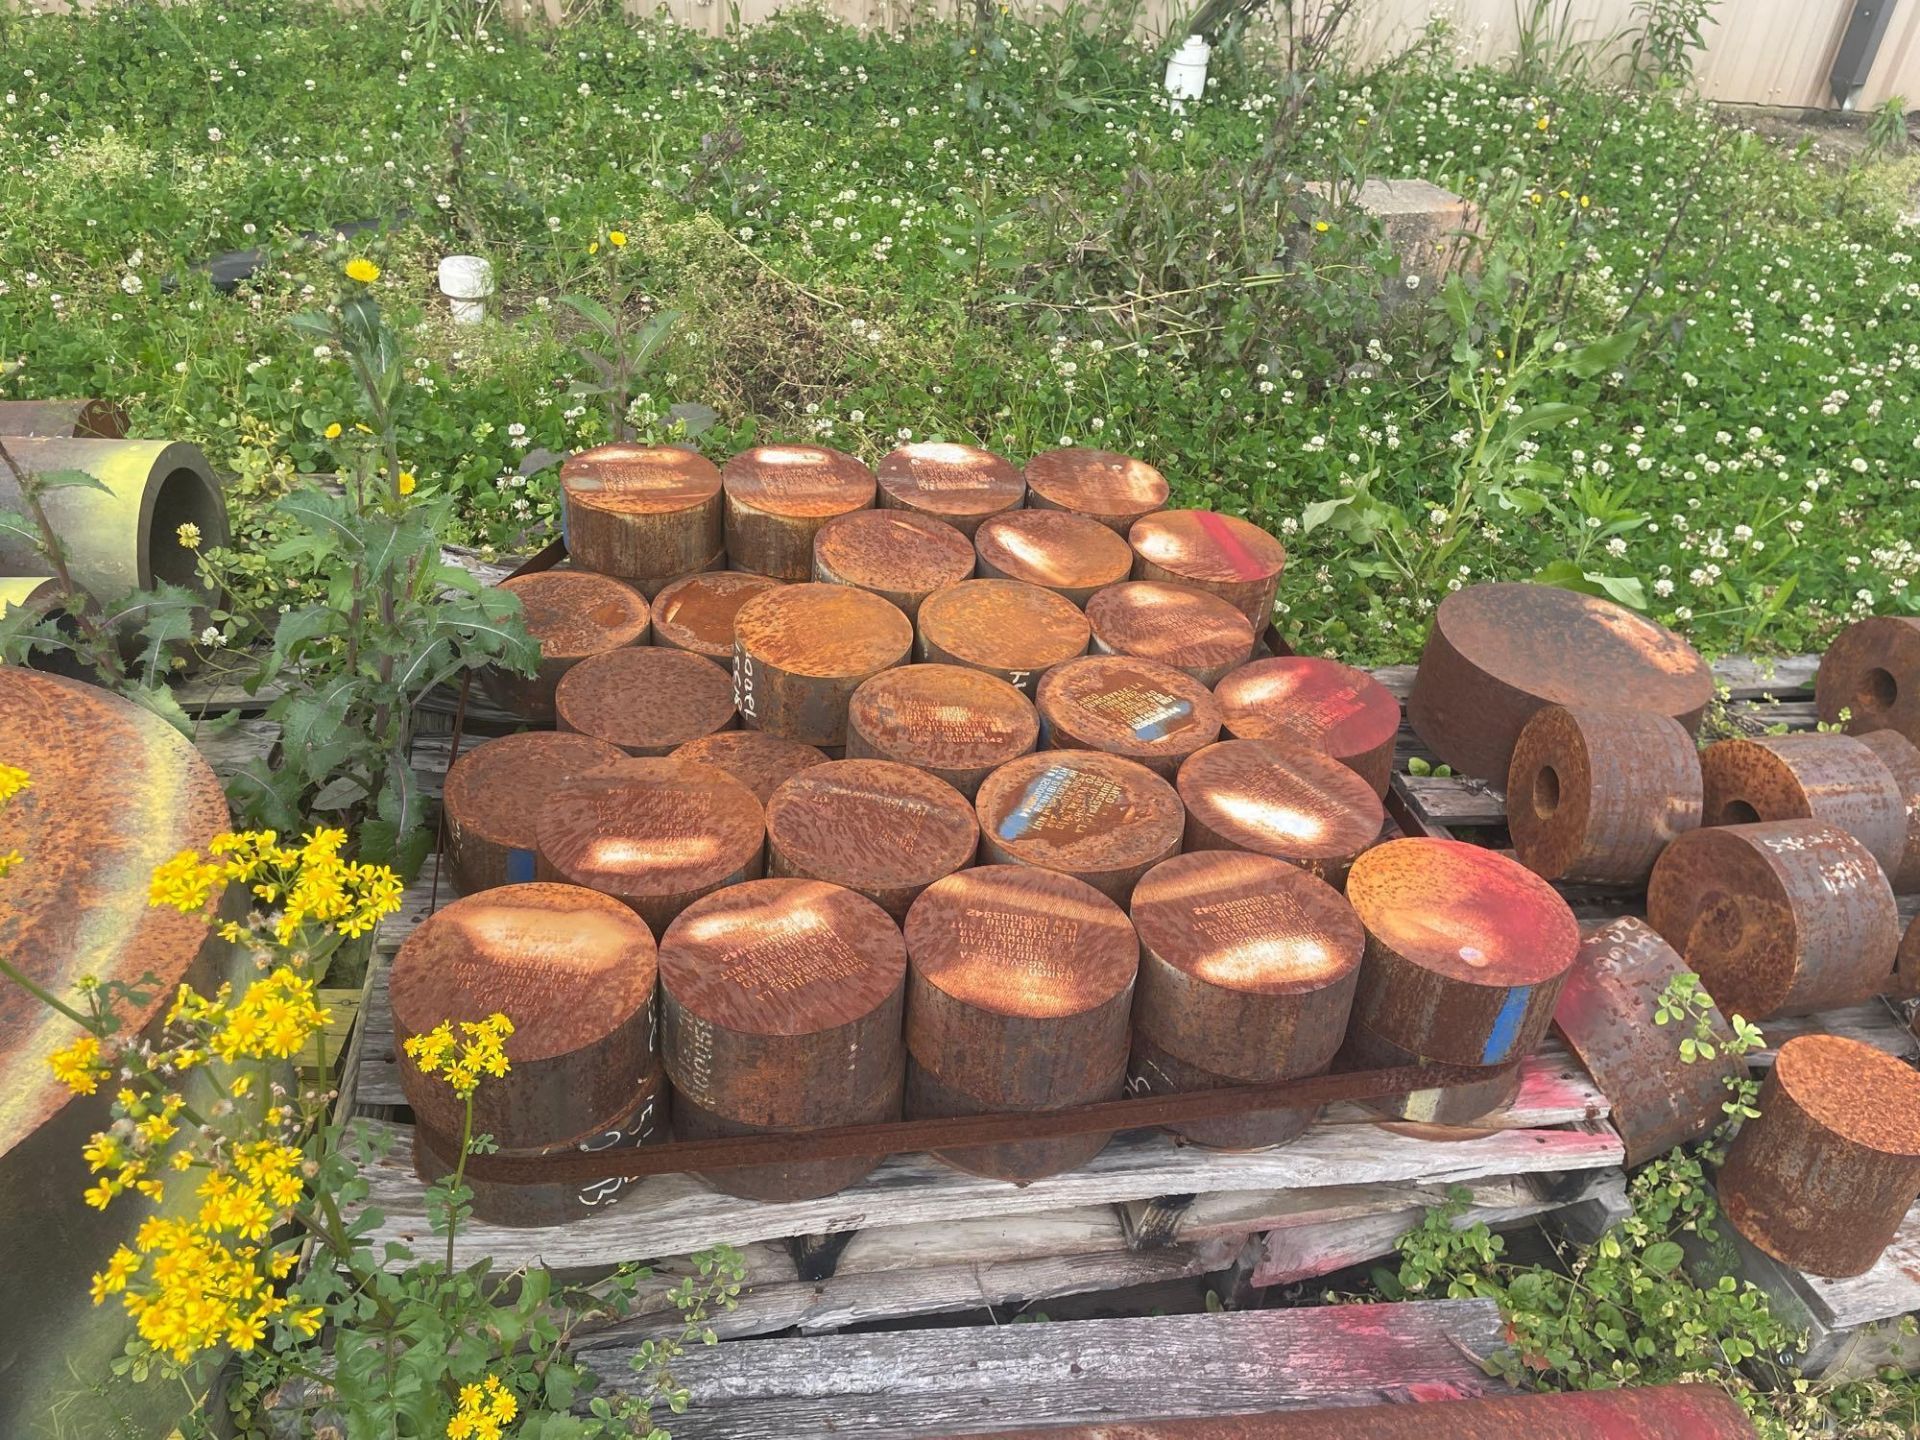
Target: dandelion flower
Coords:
[[616, 238], [363, 270], [1321, 226], [332, 432], [407, 482]]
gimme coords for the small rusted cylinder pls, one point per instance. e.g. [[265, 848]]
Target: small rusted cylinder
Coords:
[[1778, 918], [646, 514], [493, 796], [1247, 972], [64, 419], [799, 653], [778, 497], [759, 761], [1138, 709], [1497, 653], [646, 700], [953, 722], [901, 558], [655, 834], [954, 483], [572, 970], [1019, 988], [572, 614], [1280, 800], [1466, 951], [1067, 554], [697, 613], [881, 829], [1321, 704], [1872, 672], [1834, 778], [1007, 628], [1227, 556], [1594, 796], [781, 1010], [1606, 1015], [1103, 820], [1823, 1179], [1102, 485], [1902, 759], [1449, 1105], [1196, 633]]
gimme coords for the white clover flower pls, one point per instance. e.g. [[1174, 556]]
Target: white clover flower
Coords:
[[210, 635]]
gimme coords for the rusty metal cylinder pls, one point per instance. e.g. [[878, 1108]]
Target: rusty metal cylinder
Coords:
[[492, 799], [778, 497], [1902, 759], [1232, 558], [1778, 918], [899, 557], [952, 722], [1497, 653], [781, 1004], [656, 834], [646, 514], [954, 483], [68, 419], [1451, 1105], [799, 653], [1321, 704], [1102, 485], [1594, 796], [1191, 630], [1823, 1179], [697, 613], [1871, 672], [1120, 705], [1019, 989], [1103, 820], [645, 699], [1247, 973], [1834, 778], [1067, 554], [1905, 984], [1010, 629], [1279, 800], [759, 761], [572, 614], [881, 829]]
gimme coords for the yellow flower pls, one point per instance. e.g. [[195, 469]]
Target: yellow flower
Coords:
[[462, 1063], [594, 248], [12, 781], [307, 1322], [1542, 123], [406, 482], [8, 860], [79, 1067], [484, 1411], [363, 270], [1321, 226], [184, 882], [332, 432], [616, 238], [1585, 201], [189, 536]]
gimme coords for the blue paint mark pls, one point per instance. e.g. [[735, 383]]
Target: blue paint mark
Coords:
[[519, 867], [1041, 792], [1156, 725], [1506, 1026]]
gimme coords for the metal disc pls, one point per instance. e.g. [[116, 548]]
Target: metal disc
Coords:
[[645, 513], [1007, 628], [1319, 703], [1834, 778], [802, 650], [761, 762], [697, 613], [901, 558], [778, 497], [1114, 489], [1068, 554], [492, 799], [571, 614], [1279, 800], [1902, 759], [1140, 709], [954, 483], [1872, 672], [1099, 818], [646, 700], [1230, 557], [1177, 625], [953, 722]]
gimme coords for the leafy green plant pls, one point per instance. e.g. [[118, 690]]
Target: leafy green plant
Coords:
[[1667, 35], [620, 349]]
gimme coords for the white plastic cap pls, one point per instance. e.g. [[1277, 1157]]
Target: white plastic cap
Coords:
[[466, 277]]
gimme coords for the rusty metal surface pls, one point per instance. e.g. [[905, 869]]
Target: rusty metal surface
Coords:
[[1594, 796], [1282, 800], [572, 614], [1126, 706], [1230, 557], [645, 699], [1178, 625], [796, 1177], [761, 762], [1019, 1161], [1902, 759], [1466, 951], [493, 797], [1822, 1180], [778, 497], [1114, 489], [953, 722], [1319, 703], [1777, 918], [1872, 671], [1453, 1105], [697, 613], [1606, 1015], [799, 653], [1834, 778], [1497, 653], [1152, 1070], [1070, 555], [1098, 818], [644, 513], [575, 973], [954, 483], [1007, 628], [1906, 964], [64, 419], [656, 834], [901, 558]]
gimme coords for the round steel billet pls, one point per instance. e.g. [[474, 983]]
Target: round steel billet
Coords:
[[573, 614], [901, 558], [1152, 1070], [697, 613], [1449, 1105], [1007, 628], [1834, 778], [1020, 1161], [759, 761], [1321, 704], [1067, 554], [1497, 653], [647, 514], [1125, 706], [1114, 489], [882, 829], [799, 653], [1776, 918], [952, 722], [493, 797], [1823, 1179], [1606, 1015], [1230, 557], [778, 497], [1019, 990], [646, 700], [1280, 800], [1098, 818], [1466, 951], [64, 419], [954, 483], [1902, 759], [574, 972], [1594, 796], [656, 834], [800, 1180], [1196, 633], [1872, 672]]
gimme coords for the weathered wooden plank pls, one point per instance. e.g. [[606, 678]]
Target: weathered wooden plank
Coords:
[[1891, 1288], [1743, 677], [1874, 1022], [232, 749], [1301, 1251]]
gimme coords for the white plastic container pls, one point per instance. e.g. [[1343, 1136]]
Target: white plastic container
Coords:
[[467, 282], [1187, 69]]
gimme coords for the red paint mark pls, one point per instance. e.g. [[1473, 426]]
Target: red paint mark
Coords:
[[1232, 548]]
